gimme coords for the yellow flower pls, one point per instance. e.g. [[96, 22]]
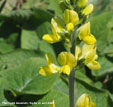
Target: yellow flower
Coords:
[[51, 68], [71, 16], [53, 104], [88, 53], [85, 35], [82, 3], [88, 9], [85, 101], [70, 27], [57, 28], [68, 61]]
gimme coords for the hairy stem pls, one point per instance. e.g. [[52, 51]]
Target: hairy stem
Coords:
[[71, 77]]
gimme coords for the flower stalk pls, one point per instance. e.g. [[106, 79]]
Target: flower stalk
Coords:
[[72, 74]]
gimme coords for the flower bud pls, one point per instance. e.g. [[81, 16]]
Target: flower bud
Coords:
[[88, 9], [66, 58], [69, 27], [85, 101], [71, 16], [82, 3]]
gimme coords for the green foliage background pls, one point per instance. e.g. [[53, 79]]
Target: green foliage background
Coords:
[[22, 52]]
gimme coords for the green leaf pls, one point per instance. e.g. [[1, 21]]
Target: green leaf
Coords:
[[102, 32], [108, 50], [55, 5], [5, 47], [9, 44], [83, 86], [3, 100], [29, 40], [44, 28], [16, 58], [106, 67], [60, 99], [17, 15], [100, 97], [26, 79], [42, 15], [83, 77]]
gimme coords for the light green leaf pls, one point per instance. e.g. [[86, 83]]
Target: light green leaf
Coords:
[[100, 97], [16, 58], [102, 32], [55, 5], [26, 79], [60, 99], [108, 50], [29, 40], [82, 86], [106, 67]]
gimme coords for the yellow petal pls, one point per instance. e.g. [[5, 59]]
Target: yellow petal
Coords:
[[54, 68], [49, 38], [78, 52], [89, 39], [85, 101], [93, 104], [88, 9], [57, 25], [94, 65], [66, 16], [49, 70], [74, 18], [84, 31], [56, 29], [71, 16], [87, 49], [70, 27], [66, 58], [71, 60], [65, 69], [49, 58], [90, 56], [45, 71], [82, 3], [62, 58]]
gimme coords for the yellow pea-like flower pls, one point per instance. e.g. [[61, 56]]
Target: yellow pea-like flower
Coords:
[[71, 16], [88, 9], [85, 101], [57, 28], [88, 53], [82, 3], [85, 35], [68, 61], [51, 68]]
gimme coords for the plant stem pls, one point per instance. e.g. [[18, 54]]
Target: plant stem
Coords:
[[71, 77], [71, 88]]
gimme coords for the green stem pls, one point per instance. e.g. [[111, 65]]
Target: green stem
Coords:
[[71, 77], [71, 89]]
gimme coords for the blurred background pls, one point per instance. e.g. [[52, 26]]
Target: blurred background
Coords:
[[22, 25]]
